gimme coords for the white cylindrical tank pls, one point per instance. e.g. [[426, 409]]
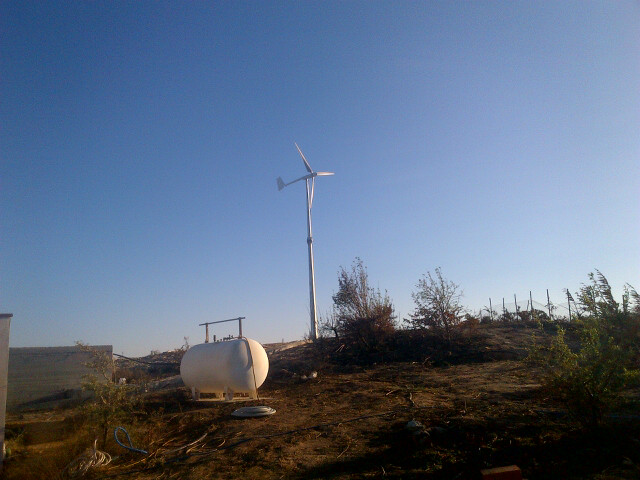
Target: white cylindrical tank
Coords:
[[222, 368]]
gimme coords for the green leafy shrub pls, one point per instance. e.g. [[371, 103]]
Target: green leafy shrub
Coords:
[[590, 378], [598, 309], [589, 381]]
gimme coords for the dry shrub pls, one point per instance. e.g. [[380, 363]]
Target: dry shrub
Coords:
[[109, 402], [438, 306], [362, 318]]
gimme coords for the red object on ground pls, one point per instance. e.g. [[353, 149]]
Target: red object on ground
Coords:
[[512, 472]]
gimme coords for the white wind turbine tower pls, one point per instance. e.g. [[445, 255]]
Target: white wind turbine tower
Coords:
[[312, 282]]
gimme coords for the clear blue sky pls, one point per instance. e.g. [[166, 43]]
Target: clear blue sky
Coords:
[[140, 143]]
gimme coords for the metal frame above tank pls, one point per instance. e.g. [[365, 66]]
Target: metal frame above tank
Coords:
[[206, 325]]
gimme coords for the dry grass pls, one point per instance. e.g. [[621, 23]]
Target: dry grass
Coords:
[[349, 422]]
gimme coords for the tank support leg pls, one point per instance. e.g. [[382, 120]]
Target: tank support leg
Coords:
[[228, 394], [195, 393]]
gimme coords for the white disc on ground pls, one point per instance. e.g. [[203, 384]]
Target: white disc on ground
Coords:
[[249, 412]]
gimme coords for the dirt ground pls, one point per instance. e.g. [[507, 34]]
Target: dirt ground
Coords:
[[395, 420]]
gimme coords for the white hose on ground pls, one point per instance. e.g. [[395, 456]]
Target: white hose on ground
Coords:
[[92, 457]]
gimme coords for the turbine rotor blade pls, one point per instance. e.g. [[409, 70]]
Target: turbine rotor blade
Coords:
[[306, 164], [281, 184]]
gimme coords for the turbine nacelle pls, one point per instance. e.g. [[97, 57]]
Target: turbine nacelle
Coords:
[[281, 183], [312, 174]]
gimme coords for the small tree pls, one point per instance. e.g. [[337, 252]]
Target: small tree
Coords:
[[110, 402], [437, 305], [361, 314]]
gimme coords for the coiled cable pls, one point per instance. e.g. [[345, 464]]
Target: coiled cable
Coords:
[[92, 457]]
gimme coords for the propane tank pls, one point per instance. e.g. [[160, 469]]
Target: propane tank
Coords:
[[225, 368]]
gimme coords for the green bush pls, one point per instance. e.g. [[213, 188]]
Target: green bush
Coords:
[[598, 309], [590, 378]]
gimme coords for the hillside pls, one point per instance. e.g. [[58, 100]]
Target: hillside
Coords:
[[442, 418]]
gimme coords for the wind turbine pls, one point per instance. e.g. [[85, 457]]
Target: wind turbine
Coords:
[[312, 282]]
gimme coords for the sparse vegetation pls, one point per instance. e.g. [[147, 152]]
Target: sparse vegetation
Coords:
[[589, 379], [474, 400], [438, 306], [109, 401], [362, 317]]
